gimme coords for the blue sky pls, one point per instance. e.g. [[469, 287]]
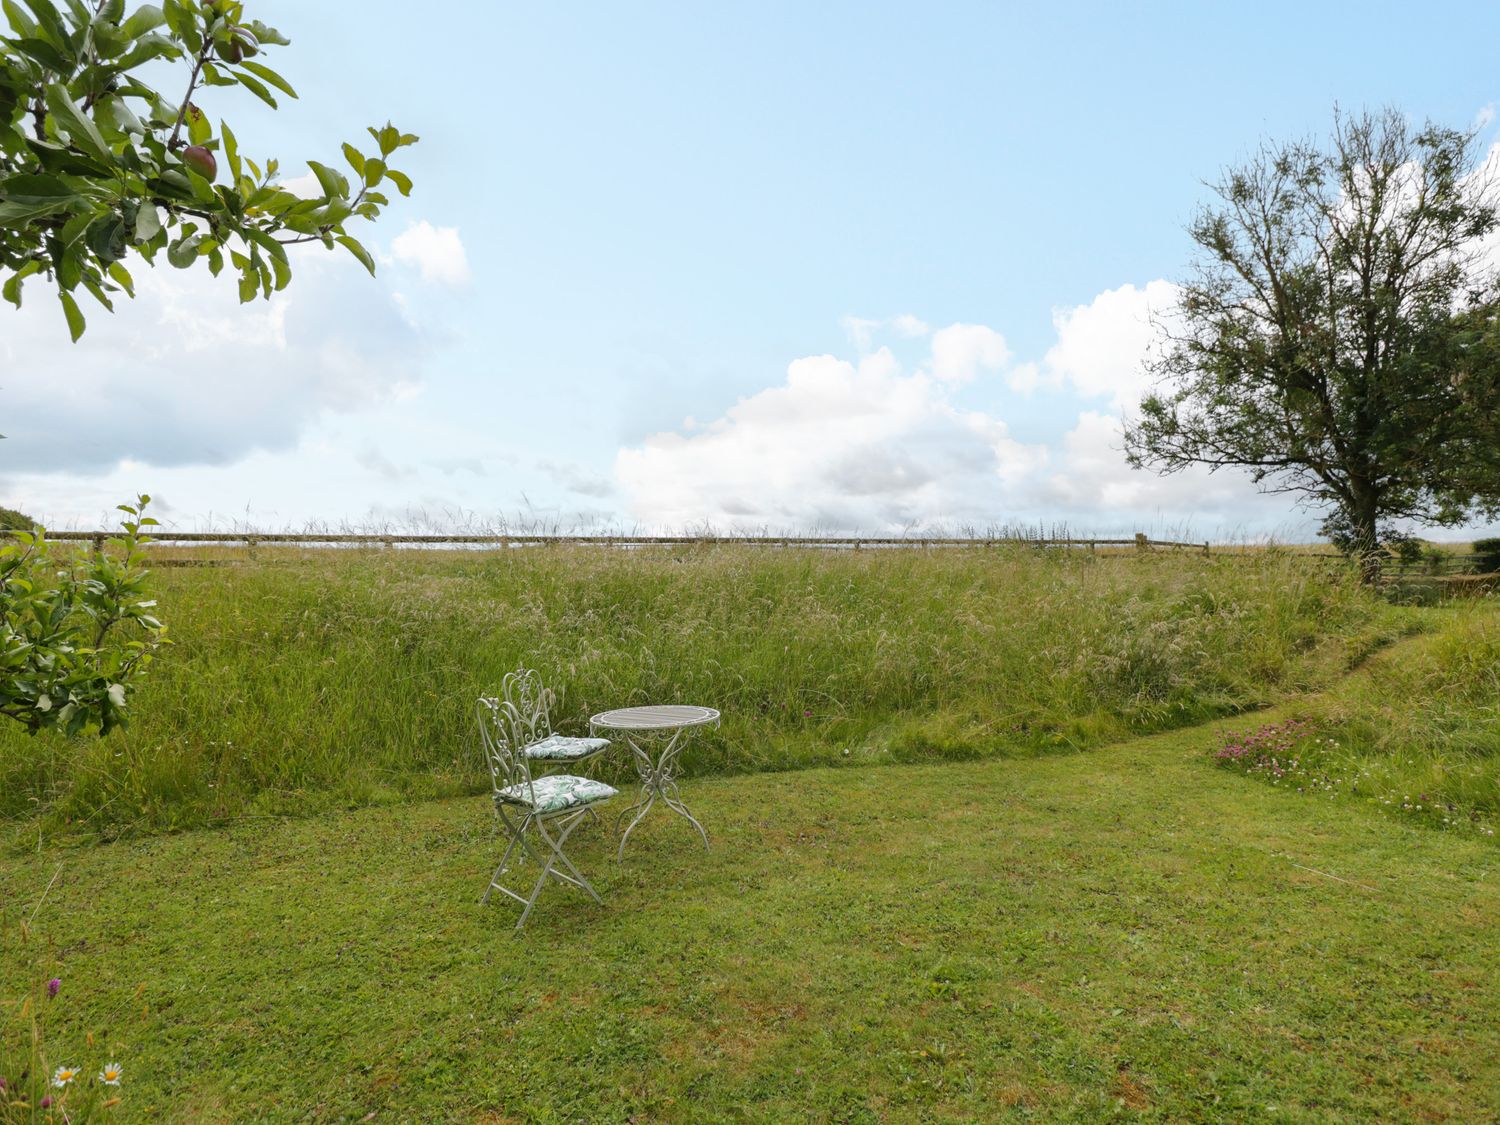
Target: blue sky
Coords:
[[636, 228]]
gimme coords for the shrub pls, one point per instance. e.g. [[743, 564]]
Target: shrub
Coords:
[[1487, 555]]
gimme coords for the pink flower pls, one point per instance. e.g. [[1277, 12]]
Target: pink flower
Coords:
[[47, 1102], [54, 986]]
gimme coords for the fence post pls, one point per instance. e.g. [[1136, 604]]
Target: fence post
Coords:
[[98, 544], [1206, 552], [1141, 542]]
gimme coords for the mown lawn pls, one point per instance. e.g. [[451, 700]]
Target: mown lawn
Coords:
[[1127, 933]]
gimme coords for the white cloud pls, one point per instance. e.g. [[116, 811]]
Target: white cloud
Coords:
[[1102, 347], [305, 185], [860, 330], [961, 351], [185, 374], [437, 252], [840, 446]]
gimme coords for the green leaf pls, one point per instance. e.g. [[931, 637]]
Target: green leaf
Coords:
[[257, 89], [98, 291], [231, 150], [184, 24], [353, 246], [355, 158], [200, 132], [400, 179], [147, 222], [148, 17], [51, 22], [83, 133], [11, 291], [18, 19], [43, 53], [374, 172], [270, 76], [71, 310], [148, 47], [36, 189], [123, 118], [334, 185], [249, 286], [184, 252], [122, 278]]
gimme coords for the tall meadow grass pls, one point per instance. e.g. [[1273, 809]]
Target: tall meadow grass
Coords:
[[1422, 734], [339, 678]]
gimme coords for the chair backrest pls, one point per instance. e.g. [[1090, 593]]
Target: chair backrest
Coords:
[[531, 701], [498, 726], [510, 722]]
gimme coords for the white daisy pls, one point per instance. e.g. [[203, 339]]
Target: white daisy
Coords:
[[63, 1075], [110, 1075]]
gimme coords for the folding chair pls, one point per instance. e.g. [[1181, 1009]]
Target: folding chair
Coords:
[[536, 813]]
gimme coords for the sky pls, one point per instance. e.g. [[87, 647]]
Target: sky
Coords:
[[854, 267]]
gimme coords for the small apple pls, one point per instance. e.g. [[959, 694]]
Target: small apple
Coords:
[[242, 45], [200, 160]]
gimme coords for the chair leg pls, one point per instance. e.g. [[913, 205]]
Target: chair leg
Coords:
[[557, 847], [517, 837], [554, 857]]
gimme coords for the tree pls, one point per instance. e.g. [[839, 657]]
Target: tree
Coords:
[[76, 631], [96, 165], [1338, 336]]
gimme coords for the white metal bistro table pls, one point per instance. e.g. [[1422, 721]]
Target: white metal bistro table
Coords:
[[661, 729]]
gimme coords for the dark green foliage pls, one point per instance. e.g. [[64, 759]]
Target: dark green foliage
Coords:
[[97, 166], [1487, 555], [77, 631], [12, 520], [1339, 337]]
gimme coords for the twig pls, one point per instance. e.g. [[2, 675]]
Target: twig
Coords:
[[187, 99], [1326, 875], [45, 893]]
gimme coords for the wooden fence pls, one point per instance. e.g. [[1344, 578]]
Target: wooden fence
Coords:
[[254, 539], [1438, 567]]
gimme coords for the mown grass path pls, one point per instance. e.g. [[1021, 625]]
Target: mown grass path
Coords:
[[1125, 932]]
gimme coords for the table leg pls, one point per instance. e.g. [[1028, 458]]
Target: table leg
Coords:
[[658, 779]]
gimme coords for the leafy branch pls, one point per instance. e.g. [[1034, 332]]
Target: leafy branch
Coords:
[[94, 168]]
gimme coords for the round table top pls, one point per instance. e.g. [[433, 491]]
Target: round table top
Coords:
[[670, 717]]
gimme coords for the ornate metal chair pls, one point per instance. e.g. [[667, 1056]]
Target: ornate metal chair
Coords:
[[536, 813], [524, 691]]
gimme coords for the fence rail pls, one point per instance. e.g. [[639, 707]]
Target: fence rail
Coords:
[[1438, 567], [502, 542]]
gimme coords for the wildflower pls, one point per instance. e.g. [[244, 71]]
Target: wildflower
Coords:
[[54, 986], [46, 1102], [110, 1075], [64, 1075]]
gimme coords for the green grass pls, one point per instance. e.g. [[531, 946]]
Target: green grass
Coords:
[[1419, 734], [345, 679], [1130, 933]]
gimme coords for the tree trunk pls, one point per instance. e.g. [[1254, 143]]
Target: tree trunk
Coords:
[[1365, 521]]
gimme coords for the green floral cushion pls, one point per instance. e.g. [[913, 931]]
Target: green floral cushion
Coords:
[[561, 748], [555, 793]]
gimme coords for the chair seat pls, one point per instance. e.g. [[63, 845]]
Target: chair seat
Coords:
[[561, 748], [556, 793]]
